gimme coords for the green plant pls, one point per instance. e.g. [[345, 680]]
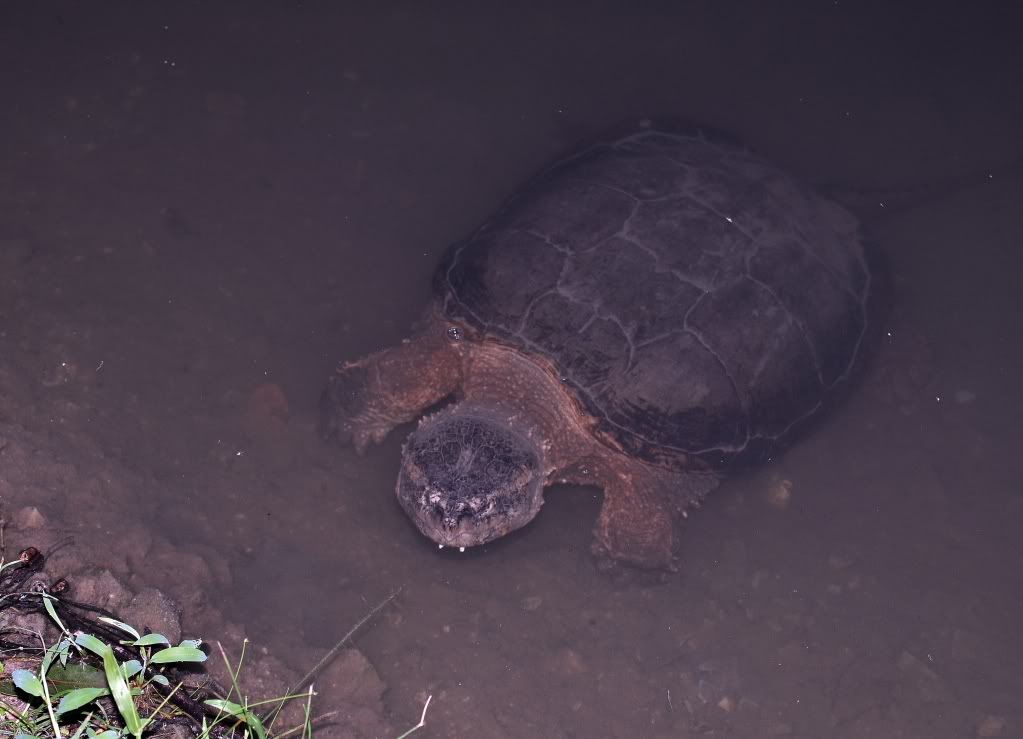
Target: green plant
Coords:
[[48, 699], [76, 683]]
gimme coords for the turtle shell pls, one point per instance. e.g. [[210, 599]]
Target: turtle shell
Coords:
[[700, 301]]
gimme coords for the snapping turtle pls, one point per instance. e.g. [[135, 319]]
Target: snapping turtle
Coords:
[[640, 316]]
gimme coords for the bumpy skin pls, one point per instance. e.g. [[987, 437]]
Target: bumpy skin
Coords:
[[470, 475], [366, 398], [547, 437], [640, 316]]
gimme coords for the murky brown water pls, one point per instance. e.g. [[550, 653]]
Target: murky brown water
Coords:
[[196, 202]]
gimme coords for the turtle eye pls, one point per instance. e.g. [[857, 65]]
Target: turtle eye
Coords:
[[455, 333]]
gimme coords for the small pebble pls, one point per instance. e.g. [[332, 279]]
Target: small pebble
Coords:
[[779, 494], [531, 603], [965, 396], [29, 517], [991, 726]]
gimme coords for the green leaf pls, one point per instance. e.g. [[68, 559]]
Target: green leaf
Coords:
[[150, 639], [64, 648], [115, 681], [48, 659], [122, 695], [255, 724], [88, 641], [121, 625], [63, 679], [25, 736], [50, 610], [131, 668], [161, 680], [238, 711], [27, 681], [228, 707], [178, 654], [191, 643], [78, 698]]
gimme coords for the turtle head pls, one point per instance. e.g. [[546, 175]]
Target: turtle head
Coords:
[[470, 474]]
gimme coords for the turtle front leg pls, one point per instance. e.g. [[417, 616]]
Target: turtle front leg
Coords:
[[641, 506], [366, 398]]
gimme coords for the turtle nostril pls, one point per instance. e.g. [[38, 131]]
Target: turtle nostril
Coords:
[[451, 521], [451, 518]]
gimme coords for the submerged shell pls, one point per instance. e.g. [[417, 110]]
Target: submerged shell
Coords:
[[700, 301]]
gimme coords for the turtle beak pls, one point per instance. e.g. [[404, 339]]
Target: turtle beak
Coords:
[[450, 519]]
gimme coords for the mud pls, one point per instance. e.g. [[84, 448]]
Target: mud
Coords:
[[203, 209]]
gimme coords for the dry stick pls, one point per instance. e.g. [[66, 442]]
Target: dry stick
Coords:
[[422, 719], [271, 716]]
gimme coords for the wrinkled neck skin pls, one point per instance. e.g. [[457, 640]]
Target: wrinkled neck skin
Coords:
[[472, 473]]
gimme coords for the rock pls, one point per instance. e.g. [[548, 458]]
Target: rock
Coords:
[[28, 623], [29, 517], [928, 684], [567, 662], [531, 603], [352, 680], [100, 588], [152, 609], [965, 396], [264, 423], [189, 576], [992, 726], [779, 493]]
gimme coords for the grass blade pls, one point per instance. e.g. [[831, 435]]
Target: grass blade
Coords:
[[121, 625], [116, 682]]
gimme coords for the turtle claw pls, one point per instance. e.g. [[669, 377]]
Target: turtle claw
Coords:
[[622, 572], [645, 541]]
